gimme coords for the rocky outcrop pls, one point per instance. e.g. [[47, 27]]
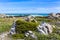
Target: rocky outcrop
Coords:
[[30, 19], [45, 28], [12, 31], [2, 15], [54, 15], [31, 34]]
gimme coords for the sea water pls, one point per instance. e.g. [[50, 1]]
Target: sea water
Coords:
[[27, 14]]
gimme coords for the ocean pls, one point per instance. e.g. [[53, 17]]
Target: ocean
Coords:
[[27, 14]]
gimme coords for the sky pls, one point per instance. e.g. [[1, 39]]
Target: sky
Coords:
[[29, 6]]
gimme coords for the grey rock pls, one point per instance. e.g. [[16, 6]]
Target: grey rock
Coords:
[[45, 28], [12, 31], [31, 34]]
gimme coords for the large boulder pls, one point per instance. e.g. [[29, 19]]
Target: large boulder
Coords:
[[45, 28]]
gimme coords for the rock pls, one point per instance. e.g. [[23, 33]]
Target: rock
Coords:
[[54, 15], [26, 34], [2, 15], [30, 19], [31, 34], [12, 31], [45, 28]]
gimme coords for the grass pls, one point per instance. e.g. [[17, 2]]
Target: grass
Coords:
[[6, 23], [51, 36]]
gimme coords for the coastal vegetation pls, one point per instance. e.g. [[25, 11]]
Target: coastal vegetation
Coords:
[[23, 26], [5, 24]]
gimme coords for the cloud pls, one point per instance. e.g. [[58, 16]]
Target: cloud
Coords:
[[30, 10], [30, 7]]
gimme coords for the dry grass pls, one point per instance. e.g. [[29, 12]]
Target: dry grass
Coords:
[[6, 23]]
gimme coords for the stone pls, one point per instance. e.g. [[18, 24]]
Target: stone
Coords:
[[30, 19], [26, 34], [12, 31], [45, 28], [31, 34]]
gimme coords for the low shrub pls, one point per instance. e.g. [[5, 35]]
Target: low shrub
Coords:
[[23, 26], [52, 36], [18, 36]]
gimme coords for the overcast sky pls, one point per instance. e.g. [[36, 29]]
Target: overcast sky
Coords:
[[29, 6]]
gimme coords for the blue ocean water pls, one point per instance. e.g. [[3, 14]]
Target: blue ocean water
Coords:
[[27, 14]]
